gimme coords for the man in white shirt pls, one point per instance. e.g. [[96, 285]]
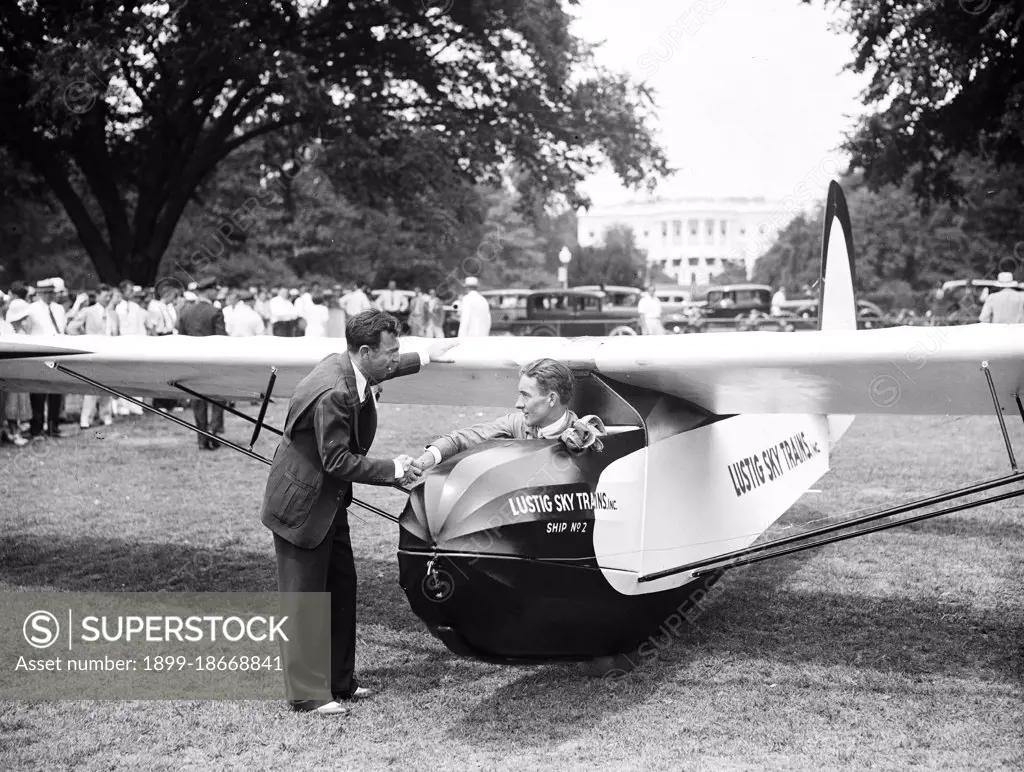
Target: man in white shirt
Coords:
[[303, 301], [282, 315], [45, 317], [650, 314], [391, 300], [1005, 306], [131, 320], [355, 302], [245, 322], [130, 315], [161, 318], [317, 316], [474, 313], [98, 319], [777, 300]]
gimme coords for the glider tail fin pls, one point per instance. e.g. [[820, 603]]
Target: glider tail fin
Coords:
[[837, 305]]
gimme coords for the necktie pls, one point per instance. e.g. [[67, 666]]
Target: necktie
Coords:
[[49, 310]]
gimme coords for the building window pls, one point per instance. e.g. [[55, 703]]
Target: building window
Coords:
[[664, 231], [645, 234], [709, 227], [711, 261], [743, 231], [677, 229], [693, 224], [676, 262], [694, 261], [723, 227], [591, 235]]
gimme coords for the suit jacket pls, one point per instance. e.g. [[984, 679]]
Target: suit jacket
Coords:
[[201, 319], [327, 435], [512, 426]]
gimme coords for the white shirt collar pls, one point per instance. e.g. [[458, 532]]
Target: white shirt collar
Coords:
[[361, 381], [554, 428]]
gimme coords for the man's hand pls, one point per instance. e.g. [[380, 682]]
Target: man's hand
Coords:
[[424, 462], [436, 351], [412, 472]]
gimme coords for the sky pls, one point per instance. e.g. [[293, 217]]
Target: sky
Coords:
[[751, 98]]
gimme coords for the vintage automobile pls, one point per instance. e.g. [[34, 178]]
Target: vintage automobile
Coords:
[[573, 313], [507, 306], [960, 301], [615, 296], [727, 308], [803, 314]]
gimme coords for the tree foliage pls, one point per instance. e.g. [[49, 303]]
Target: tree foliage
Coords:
[[902, 252], [947, 77], [616, 261], [126, 110]]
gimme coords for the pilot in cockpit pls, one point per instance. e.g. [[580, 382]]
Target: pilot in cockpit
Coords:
[[545, 390]]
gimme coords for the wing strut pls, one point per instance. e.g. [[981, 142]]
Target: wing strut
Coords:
[[999, 414], [218, 438], [151, 409], [263, 409], [228, 409], [804, 541]]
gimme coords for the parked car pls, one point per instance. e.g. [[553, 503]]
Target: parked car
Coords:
[[804, 314], [572, 313], [616, 296], [727, 307], [960, 301], [507, 306]]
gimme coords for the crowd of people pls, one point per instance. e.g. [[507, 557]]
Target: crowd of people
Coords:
[[199, 308]]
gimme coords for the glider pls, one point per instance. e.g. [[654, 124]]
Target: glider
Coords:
[[516, 551]]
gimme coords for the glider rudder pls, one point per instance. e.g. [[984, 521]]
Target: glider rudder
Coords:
[[837, 306]]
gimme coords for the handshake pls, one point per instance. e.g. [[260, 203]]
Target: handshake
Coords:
[[414, 467]]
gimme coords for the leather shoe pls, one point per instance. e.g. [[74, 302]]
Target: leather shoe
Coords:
[[323, 708], [361, 693]]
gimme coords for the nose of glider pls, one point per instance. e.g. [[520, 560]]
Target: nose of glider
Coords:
[[471, 503]]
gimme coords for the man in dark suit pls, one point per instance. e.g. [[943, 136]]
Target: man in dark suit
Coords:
[[331, 423], [201, 319]]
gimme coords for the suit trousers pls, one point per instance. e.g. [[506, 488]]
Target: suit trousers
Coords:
[[215, 425], [48, 404], [329, 567]]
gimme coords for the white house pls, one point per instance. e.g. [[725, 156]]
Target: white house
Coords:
[[691, 237]]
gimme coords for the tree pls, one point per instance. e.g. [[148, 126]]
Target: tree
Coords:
[[617, 261], [125, 110], [946, 78], [902, 252]]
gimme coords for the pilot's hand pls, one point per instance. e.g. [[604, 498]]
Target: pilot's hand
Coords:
[[436, 351], [424, 462]]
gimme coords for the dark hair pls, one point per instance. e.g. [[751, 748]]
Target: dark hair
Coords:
[[18, 289], [551, 375], [365, 328]]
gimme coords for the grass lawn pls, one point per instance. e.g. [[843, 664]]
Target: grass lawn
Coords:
[[895, 650]]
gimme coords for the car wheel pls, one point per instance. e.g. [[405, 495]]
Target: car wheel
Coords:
[[542, 332], [622, 329]]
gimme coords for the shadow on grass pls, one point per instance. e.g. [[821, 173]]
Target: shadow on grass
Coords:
[[756, 615], [115, 565]]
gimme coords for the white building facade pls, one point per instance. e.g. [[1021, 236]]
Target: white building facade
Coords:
[[692, 239]]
